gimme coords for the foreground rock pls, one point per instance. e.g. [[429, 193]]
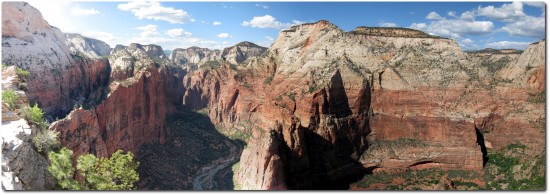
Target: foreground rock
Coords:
[[22, 167]]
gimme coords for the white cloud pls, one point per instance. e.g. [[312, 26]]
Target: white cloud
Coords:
[[508, 45], [267, 42], [528, 26], [451, 14], [468, 44], [434, 16], [154, 11], [173, 38], [224, 35], [177, 32], [418, 26], [388, 24], [216, 23], [262, 6], [467, 41], [506, 12], [455, 28], [469, 15], [268, 21], [84, 12]]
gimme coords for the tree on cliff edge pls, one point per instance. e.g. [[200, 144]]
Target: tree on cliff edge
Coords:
[[115, 173]]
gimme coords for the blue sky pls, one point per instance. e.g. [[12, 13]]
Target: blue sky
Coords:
[[217, 25]]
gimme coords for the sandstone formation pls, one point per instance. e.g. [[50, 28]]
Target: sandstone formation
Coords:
[[88, 47], [321, 96], [323, 106], [134, 113], [242, 51], [58, 80], [195, 57]]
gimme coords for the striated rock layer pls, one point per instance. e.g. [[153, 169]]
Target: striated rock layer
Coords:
[[134, 112], [57, 80], [321, 96]]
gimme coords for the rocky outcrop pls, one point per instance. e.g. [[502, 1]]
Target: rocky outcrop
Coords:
[[22, 167], [87, 47], [145, 87], [324, 96], [132, 115], [194, 56], [241, 51], [393, 32], [58, 80]]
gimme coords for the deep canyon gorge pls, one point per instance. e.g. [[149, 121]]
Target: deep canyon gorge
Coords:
[[320, 108]]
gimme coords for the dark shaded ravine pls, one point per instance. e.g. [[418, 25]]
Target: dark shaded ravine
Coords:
[[195, 157]]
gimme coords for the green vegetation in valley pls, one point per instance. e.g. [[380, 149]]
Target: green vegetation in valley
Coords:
[[509, 168], [115, 173]]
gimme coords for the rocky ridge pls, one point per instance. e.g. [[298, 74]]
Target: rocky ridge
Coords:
[[195, 57], [88, 47], [326, 95], [30, 43]]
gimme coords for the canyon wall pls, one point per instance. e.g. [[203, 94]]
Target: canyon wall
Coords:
[[320, 97], [58, 80]]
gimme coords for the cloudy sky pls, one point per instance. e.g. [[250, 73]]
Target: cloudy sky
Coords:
[[217, 25]]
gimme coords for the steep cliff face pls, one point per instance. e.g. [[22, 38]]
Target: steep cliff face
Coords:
[[144, 91], [320, 97], [57, 79], [132, 115], [88, 47]]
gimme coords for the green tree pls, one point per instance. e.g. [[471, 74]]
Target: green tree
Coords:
[[62, 169], [115, 173]]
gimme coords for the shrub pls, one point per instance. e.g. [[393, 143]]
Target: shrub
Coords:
[[22, 74], [115, 173], [46, 141], [34, 115], [9, 97]]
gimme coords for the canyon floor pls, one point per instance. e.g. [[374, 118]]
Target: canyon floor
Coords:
[[197, 157]]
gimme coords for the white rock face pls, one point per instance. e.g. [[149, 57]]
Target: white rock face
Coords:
[[194, 57], [242, 51], [533, 56], [91, 48], [126, 61]]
